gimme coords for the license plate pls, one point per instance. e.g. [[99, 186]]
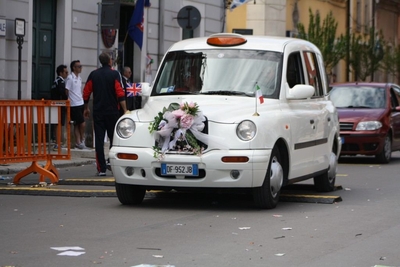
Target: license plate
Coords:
[[179, 169]]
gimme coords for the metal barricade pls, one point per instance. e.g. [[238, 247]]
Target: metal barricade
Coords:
[[25, 139]]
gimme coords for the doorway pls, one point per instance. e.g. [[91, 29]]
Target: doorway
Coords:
[[43, 46], [125, 42]]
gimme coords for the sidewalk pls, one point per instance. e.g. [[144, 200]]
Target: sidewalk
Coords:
[[78, 157]]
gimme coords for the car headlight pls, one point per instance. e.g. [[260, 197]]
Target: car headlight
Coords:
[[125, 128], [368, 125], [246, 130]]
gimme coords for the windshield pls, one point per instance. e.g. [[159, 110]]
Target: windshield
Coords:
[[358, 97], [227, 72]]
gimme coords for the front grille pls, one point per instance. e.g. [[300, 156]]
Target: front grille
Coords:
[[346, 126]]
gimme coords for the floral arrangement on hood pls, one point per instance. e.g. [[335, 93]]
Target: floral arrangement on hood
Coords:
[[178, 128]]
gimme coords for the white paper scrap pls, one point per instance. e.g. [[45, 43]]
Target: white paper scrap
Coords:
[[280, 254], [71, 253], [67, 248], [151, 265], [244, 228]]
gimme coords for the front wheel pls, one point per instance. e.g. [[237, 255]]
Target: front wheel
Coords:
[[386, 154], [130, 194], [267, 196]]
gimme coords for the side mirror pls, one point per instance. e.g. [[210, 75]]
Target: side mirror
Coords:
[[146, 89], [299, 91]]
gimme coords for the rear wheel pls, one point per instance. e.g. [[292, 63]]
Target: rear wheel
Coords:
[[130, 194], [267, 196], [326, 181], [386, 155]]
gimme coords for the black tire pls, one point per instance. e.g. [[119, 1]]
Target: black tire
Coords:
[[267, 196], [386, 154], [130, 194], [326, 181]]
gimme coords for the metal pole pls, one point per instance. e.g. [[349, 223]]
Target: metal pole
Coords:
[[20, 41]]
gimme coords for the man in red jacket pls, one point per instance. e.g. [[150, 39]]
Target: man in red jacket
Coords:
[[108, 97]]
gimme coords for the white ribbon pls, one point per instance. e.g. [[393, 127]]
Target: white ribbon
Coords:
[[163, 135]]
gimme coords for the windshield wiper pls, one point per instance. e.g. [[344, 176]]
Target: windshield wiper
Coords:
[[227, 93]]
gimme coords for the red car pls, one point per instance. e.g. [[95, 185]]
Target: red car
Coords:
[[369, 116]]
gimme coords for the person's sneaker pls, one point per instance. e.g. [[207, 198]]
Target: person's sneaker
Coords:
[[101, 174], [80, 146], [83, 144]]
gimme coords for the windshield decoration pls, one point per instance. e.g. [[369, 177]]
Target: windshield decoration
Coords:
[[178, 128]]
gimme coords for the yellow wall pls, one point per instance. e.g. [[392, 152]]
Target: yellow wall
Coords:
[[236, 19]]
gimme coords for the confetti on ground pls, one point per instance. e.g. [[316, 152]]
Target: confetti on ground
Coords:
[[71, 253]]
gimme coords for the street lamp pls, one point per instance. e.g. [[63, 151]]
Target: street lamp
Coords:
[[20, 33]]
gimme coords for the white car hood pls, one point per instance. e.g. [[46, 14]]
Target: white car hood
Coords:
[[221, 109]]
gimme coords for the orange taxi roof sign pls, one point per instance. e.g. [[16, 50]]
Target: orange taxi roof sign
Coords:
[[229, 39]]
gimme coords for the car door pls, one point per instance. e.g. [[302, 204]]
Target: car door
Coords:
[[322, 108], [302, 121]]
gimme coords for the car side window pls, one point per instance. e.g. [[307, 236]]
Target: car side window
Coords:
[[313, 73], [394, 96], [294, 73]]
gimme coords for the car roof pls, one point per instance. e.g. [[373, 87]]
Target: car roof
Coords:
[[253, 42]]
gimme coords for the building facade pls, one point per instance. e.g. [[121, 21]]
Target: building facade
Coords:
[[59, 31]]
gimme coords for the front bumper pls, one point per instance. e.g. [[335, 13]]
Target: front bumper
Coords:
[[362, 144], [213, 172]]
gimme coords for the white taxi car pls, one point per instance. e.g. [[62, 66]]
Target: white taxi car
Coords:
[[230, 111]]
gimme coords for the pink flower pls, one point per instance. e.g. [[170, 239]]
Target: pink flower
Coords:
[[192, 105], [178, 113], [186, 121]]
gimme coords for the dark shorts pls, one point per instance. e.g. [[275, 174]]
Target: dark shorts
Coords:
[[77, 114]]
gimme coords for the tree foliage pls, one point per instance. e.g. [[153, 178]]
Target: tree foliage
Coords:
[[323, 35], [366, 52], [390, 63]]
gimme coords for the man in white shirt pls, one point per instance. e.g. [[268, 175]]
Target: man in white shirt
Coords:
[[74, 88]]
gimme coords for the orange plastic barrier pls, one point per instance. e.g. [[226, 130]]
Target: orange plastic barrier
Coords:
[[25, 139]]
